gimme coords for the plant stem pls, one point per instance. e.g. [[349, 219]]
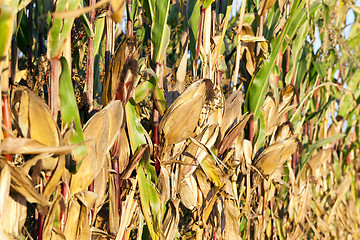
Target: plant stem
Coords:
[[199, 41], [62, 213], [54, 87], [90, 62], [158, 71], [6, 117], [109, 39], [29, 47], [130, 27]]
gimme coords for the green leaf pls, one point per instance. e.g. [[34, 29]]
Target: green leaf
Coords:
[[61, 28], [193, 22], [160, 30], [6, 26], [149, 6], [207, 3], [134, 7], [318, 144], [144, 89], [150, 202], [135, 129], [258, 86], [69, 111], [99, 29], [319, 66], [86, 24]]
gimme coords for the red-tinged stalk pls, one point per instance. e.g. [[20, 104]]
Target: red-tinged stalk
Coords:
[[91, 188], [64, 193], [41, 221], [54, 87], [130, 26], [156, 118], [200, 33], [156, 142], [311, 130], [90, 61], [6, 117], [29, 47]]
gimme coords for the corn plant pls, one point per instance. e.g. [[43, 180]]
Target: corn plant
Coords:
[[212, 119]]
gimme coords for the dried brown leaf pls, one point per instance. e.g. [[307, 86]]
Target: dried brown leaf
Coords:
[[99, 142], [232, 111], [14, 216], [13, 145], [275, 155], [121, 74], [22, 184], [232, 134], [5, 178], [189, 193]]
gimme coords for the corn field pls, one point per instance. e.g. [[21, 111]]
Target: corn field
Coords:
[[197, 119]]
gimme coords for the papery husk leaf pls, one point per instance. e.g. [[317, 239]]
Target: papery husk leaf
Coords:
[[284, 131], [163, 185], [84, 227], [117, 10], [275, 155], [203, 183], [124, 156], [271, 115], [14, 216], [232, 111], [319, 158], [189, 192], [181, 123], [128, 209], [22, 184], [100, 140], [26, 108], [49, 219], [113, 206], [171, 220], [55, 177], [121, 75], [286, 96], [5, 179], [232, 134], [72, 219], [231, 212], [193, 154], [182, 116], [100, 185]]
